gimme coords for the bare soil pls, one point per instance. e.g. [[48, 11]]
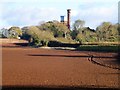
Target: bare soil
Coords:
[[36, 67], [46, 67]]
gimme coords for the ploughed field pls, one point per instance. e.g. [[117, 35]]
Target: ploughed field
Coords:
[[24, 66]]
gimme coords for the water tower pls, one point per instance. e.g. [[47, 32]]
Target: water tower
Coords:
[[62, 19]]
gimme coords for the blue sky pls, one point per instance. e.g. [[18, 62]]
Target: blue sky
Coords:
[[32, 12]]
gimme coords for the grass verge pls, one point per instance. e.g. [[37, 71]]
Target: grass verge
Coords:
[[112, 48]]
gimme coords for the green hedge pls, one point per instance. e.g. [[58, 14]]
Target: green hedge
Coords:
[[112, 48]]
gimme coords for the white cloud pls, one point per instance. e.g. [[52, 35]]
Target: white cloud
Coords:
[[58, 0], [74, 12], [21, 13], [95, 15], [29, 16], [3, 23]]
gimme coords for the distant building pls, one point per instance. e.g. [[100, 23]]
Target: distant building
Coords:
[[67, 23]]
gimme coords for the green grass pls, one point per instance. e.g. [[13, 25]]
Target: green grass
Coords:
[[98, 48], [101, 43]]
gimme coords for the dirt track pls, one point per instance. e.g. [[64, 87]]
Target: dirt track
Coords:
[[45, 67]]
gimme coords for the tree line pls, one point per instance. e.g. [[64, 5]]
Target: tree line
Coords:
[[43, 33]]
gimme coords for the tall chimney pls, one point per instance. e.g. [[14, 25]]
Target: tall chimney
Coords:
[[68, 18]]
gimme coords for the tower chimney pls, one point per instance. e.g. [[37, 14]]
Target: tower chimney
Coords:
[[68, 18]]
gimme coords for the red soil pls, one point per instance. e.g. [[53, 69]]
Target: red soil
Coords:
[[45, 67]]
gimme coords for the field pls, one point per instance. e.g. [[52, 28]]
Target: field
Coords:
[[49, 68]]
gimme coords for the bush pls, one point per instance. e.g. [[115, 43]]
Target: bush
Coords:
[[38, 37], [15, 32], [37, 42], [58, 29], [44, 42]]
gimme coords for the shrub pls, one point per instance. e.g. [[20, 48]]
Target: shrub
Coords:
[[38, 37], [44, 42]]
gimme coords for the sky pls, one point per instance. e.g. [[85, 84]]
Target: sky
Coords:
[[33, 12]]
